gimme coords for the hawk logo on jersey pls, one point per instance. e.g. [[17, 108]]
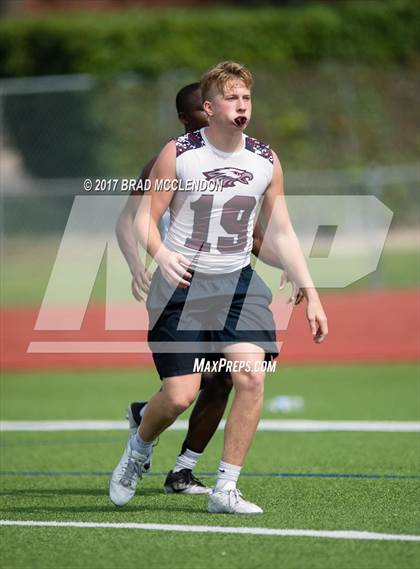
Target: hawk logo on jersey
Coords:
[[228, 177]]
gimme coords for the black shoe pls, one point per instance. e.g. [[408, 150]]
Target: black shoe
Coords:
[[184, 482], [134, 420], [133, 415]]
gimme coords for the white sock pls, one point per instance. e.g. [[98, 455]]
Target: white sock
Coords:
[[141, 446], [142, 410], [227, 476], [187, 459]]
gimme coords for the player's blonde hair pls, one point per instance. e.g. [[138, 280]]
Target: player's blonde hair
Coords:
[[223, 75]]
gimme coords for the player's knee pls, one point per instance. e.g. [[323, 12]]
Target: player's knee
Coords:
[[217, 386], [226, 383], [251, 381], [180, 402]]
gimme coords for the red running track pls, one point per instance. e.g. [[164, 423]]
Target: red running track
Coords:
[[377, 326]]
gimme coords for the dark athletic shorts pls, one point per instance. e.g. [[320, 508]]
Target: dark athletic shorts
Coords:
[[201, 320]]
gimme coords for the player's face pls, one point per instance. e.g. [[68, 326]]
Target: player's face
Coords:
[[194, 117], [233, 107]]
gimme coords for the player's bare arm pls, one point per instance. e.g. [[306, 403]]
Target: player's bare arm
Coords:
[[173, 265], [263, 250], [283, 237], [128, 244]]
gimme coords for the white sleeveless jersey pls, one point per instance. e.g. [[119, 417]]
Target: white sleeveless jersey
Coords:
[[212, 213]]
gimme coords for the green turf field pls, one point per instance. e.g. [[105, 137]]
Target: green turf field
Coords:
[[302, 480]]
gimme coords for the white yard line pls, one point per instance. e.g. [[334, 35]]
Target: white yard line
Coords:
[[264, 425], [351, 534]]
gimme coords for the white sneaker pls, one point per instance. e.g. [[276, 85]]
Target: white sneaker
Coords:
[[231, 502], [122, 486]]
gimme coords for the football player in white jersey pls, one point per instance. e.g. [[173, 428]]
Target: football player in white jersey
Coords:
[[205, 281], [216, 387]]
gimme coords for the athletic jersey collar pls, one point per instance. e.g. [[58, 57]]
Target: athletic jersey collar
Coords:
[[221, 152]]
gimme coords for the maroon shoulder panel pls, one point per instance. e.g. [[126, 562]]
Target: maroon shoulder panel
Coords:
[[258, 147], [188, 141]]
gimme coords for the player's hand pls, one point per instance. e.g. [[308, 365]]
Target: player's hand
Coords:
[[317, 320], [140, 284], [297, 294], [174, 267]]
